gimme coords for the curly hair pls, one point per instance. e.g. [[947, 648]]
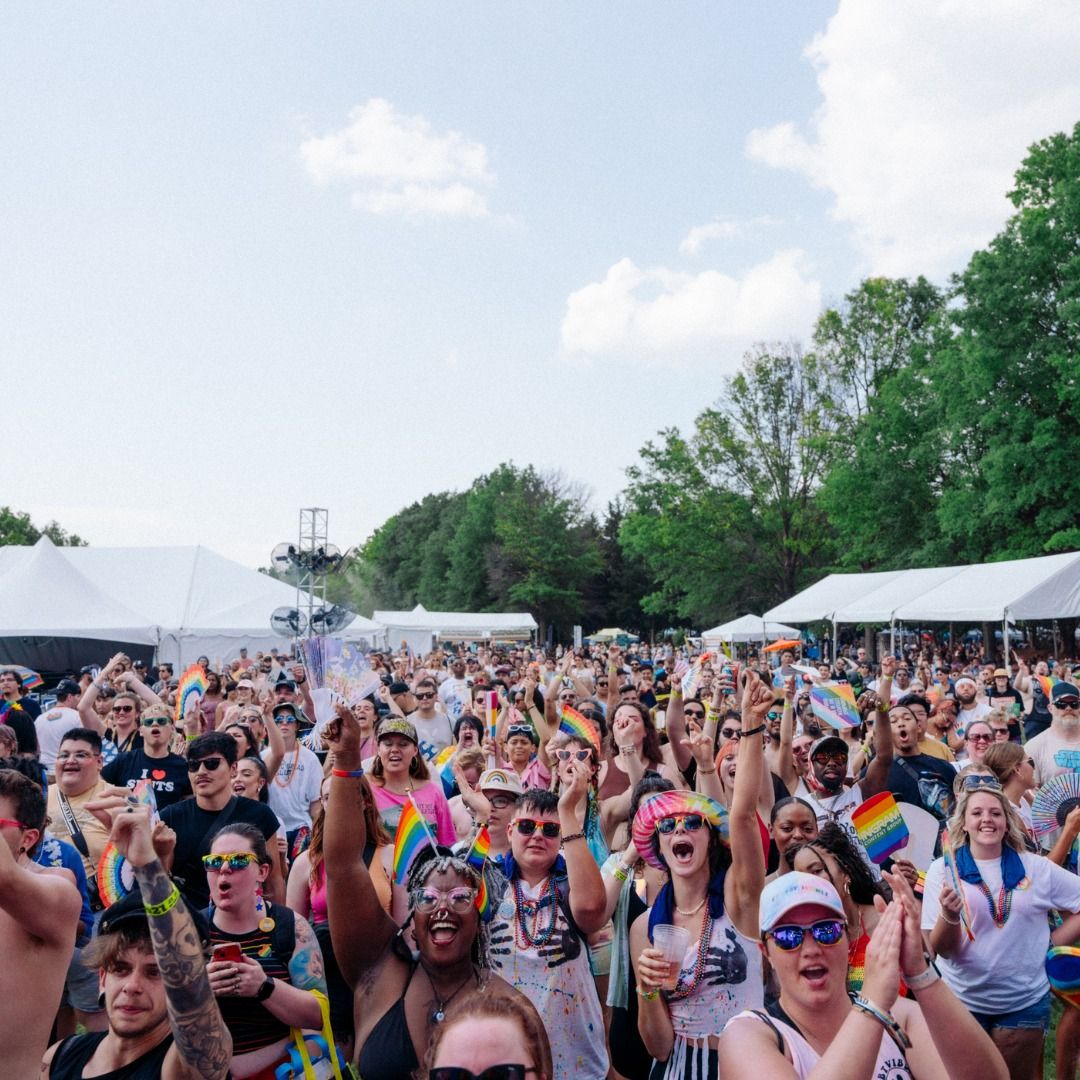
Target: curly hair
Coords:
[[834, 841]]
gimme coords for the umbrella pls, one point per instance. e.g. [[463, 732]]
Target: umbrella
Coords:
[[31, 680], [788, 643]]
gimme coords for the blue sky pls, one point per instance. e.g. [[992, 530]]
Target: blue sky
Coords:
[[259, 257]]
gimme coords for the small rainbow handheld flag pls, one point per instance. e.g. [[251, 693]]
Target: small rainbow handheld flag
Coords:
[[574, 723], [483, 900], [1047, 684], [478, 853], [412, 834], [955, 883], [880, 826], [192, 684], [493, 712], [834, 704]]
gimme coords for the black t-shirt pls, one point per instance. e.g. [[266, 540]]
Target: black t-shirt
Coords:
[[934, 776], [193, 825], [30, 707], [1007, 697], [168, 775]]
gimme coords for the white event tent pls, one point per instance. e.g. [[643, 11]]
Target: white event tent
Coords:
[[181, 602], [419, 628], [746, 628]]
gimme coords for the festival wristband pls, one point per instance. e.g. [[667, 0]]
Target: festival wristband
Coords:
[[573, 836], [753, 731], [165, 906], [648, 995], [924, 979], [347, 774], [885, 1020]]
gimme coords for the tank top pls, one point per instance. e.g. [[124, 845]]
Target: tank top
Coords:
[[388, 1052], [380, 882], [731, 981], [73, 1054], [891, 1063]]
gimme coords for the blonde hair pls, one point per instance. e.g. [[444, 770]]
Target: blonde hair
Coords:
[[471, 756], [1004, 758], [1014, 825]]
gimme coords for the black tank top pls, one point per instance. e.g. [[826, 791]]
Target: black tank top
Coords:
[[73, 1053]]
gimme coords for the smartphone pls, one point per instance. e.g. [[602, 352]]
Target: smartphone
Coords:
[[228, 952]]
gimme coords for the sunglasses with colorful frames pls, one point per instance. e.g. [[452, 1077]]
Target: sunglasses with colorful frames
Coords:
[[824, 932], [527, 826], [565, 754], [234, 860], [458, 899], [155, 721], [690, 822]]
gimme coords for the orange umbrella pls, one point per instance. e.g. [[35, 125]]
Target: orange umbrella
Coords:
[[779, 646]]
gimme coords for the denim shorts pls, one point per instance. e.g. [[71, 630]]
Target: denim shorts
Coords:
[[1035, 1017], [81, 990]]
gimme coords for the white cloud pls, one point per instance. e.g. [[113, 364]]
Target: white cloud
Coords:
[[401, 164], [927, 110], [652, 312], [695, 239]]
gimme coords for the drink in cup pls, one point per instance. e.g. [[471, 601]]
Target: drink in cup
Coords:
[[672, 941]]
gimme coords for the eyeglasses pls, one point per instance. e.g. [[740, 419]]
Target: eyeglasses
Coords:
[[826, 932], [526, 826], [459, 899], [975, 781], [123, 708], [8, 823], [423, 697], [566, 754], [501, 802], [234, 860], [492, 1072], [78, 755], [690, 822], [211, 764]]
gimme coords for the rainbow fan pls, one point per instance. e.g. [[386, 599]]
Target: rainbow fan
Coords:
[[1053, 802], [115, 876], [1063, 972], [834, 704], [574, 723], [192, 684]]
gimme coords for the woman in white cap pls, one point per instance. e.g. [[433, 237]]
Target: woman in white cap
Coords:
[[816, 1030]]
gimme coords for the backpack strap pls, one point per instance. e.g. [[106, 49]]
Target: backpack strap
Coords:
[[562, 895]]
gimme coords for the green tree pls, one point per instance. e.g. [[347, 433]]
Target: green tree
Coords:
[[1008, 380], [17, 528]]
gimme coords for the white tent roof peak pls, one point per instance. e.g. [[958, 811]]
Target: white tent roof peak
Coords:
[[748, 628], [419, 609]]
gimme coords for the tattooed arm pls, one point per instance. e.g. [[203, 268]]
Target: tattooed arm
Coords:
[[202, 1045], [295, 1005]]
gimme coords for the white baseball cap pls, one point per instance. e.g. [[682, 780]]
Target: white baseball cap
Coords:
[[790, 891]]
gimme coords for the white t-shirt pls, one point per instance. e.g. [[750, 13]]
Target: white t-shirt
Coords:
[[1003, 970], [1053, 754], [455, 688], [968, 716], [436, 731], [838, 808], [51, 727], [295, 787]]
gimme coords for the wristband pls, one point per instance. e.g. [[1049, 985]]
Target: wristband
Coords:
[[573, 836], [347, 774], [945, 918], [620, 873], [706, 772], [753, 731], [165, 906], [885, 1020], [924, 979], [650, 995]]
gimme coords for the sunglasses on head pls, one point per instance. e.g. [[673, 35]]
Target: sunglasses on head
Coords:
[[527, 826], [211, 764], [565, 754], [519, 729], [824, 932], [974, 781], [234, 860], [492, 1072], [690, 822]]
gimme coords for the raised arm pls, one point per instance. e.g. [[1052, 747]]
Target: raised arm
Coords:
[[785, 758], [675, 721], [132, 682], [588, 901], [876, 778], [202, 1045], [275, 741], [360, 929]]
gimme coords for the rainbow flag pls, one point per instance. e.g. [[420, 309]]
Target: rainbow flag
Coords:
[[1046, 683], [955, 883], [574, 723], [192, 684], [493, 711], [412, 834], [834, 704], [483, 900], [880, 826], [478, 853]]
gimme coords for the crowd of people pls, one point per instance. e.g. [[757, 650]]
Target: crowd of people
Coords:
[[639, 863]]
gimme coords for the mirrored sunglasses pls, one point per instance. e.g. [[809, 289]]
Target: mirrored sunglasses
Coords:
[[690, 822], [825, 932], [235, 860]]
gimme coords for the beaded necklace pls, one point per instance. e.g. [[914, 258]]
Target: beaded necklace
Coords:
[[292, 769], [523, 938], [680, 990], [1000, 911]]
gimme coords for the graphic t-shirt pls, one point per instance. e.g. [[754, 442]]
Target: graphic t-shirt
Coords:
[[1053, 755], [295, 787], [168, 775], [923, 781]]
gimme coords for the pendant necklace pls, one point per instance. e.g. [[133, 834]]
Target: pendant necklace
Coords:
[[438, 1014]]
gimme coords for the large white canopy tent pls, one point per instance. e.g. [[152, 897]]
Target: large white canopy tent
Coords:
[[419, 628], [182, 601], [746, 628], [1047, 587]]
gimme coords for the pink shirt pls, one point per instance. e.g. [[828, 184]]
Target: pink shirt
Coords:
[[430, 801]]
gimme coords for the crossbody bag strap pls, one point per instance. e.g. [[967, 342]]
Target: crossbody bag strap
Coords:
[[77, 837]]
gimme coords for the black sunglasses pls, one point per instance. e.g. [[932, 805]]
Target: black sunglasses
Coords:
[[526, 826], [211, 764], [697, 714], [492, 1072]]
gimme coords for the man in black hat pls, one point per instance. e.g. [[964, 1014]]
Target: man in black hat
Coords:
[[164, 1020]]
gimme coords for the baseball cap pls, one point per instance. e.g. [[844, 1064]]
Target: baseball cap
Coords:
[[1064, 690], [245, 684], [500, 780], [284, 680], [396, 726], [828, 743], [792, 890], [67, 686]]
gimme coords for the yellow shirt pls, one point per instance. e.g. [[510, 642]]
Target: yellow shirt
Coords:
[[96, 835], [936, 749]]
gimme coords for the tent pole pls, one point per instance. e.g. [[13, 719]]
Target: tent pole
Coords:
[[1005, 637], [835, 644], [892, 637]]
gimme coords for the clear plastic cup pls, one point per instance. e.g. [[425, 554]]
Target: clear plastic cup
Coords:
[[672, 941]]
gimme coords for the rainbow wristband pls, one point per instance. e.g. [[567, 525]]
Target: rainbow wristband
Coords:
[[346, 774]]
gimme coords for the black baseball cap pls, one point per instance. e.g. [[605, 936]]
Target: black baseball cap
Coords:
[[129, 911], [66, 687]]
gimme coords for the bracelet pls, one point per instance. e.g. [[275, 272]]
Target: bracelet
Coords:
[[951, 922], [347, 774], [190, 738], [650, 995], [620, 873], [628, 751], [573, 836], [885, 1020], [165, 906], [706, 772], [753, 731], [925, 978]]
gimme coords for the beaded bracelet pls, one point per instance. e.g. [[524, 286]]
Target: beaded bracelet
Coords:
[[347, 774], [165, 906], [573, 836], [885, 1020], [650, 995]]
